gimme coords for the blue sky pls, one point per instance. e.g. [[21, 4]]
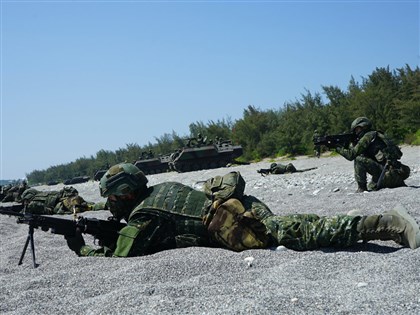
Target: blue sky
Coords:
[[81, 76]]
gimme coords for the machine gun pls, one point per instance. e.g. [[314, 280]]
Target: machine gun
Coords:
[[333, 141], [12, 207], [106, 231]]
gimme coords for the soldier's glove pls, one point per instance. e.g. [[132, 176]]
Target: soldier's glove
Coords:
[[75, 242]]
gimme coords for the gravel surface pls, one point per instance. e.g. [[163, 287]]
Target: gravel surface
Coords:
[[374, 278]]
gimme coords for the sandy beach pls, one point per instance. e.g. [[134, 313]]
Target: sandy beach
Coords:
[[373, 278]]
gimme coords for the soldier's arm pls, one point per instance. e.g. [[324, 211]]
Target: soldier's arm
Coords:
[[353, 151], [133, 240]]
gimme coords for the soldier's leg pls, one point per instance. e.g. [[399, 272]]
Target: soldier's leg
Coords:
[[362, 166], [307, 232], [290, 168], [300, 233]]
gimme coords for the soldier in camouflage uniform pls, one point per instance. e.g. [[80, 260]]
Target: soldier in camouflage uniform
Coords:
[[14, 193], [171, 215], [373, 153], [64, 201], [277, 168]]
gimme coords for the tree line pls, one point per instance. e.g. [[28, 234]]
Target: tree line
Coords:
[[390, 98]]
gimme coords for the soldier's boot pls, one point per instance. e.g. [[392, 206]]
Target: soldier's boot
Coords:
[[396, 225], [361, 187]]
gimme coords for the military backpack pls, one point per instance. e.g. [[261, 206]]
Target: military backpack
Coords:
[[231, 185], [387, 150], [227, 220]]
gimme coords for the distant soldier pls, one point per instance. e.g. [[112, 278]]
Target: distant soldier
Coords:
[[317, 149], [277, 168], [375, 154], [4, 190], [64, 201], [14, 193], [201, 140], [190, 142]]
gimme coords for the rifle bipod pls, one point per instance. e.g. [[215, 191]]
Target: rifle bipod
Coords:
[[30, 239]]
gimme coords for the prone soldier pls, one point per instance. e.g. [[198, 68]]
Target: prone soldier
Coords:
[[171, 215], [277, 168], [64, 201]]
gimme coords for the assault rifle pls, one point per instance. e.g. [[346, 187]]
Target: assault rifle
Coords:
[[106, 231], [13, 207], [333, 141]]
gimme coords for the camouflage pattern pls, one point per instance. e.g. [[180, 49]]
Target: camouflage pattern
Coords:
[[361, 122], [235, 228], [171, 215], [230, 185], [14, 193], [277, 168], [309, 231], [65, 201], [304, 231], [167, 216], [365, 153], [121, 179]]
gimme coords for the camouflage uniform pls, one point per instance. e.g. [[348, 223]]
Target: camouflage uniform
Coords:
[[277, 168], [168, 215], [55, 202], [14, 193], [171, 216], [365, 161], [309, 231]]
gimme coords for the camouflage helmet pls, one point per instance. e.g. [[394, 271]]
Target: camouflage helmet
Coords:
[[122, 179], [363, 122]]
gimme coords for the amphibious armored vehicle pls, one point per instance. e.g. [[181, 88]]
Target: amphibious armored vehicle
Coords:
[[76, 180], [98, 174], [204, 156], [153, 165]]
